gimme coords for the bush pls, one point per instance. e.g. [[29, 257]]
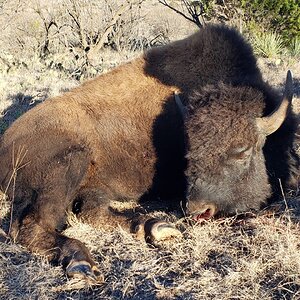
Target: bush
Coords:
[[282, 16], [295, 47], [268, 44]]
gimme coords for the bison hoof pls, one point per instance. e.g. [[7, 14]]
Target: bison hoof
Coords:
[[82, 269], [157, 231]]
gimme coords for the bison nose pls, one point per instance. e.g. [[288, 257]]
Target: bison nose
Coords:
[[201, 211]]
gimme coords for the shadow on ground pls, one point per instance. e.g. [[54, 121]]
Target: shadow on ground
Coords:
[[20, 103]]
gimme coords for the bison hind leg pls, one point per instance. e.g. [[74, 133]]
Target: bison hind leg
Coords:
[[155, 231], [39, 224]]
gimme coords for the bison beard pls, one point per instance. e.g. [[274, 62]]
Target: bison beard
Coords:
[[122, 137]]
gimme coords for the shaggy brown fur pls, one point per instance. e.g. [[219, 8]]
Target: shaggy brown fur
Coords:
[[234, 177], [121, 136]]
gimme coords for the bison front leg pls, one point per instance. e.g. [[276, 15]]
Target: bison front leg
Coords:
[[59, 249], [154, 231], [93, 208]]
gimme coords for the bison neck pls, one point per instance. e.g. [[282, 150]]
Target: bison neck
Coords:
[[169, 140]]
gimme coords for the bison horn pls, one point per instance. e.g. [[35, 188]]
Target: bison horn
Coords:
[[273, 121]]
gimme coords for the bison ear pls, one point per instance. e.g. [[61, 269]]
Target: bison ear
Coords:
[[273, 121]]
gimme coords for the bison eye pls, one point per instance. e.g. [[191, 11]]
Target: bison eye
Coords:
[[240, 153]]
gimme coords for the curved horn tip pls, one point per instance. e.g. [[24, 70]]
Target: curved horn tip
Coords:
[[272, 122], [289, 80], [289, 75], [288, 91]]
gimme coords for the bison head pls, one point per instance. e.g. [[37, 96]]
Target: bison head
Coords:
[[226, 131]]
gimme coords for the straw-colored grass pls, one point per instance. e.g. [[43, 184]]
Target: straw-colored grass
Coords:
[[254, 258]]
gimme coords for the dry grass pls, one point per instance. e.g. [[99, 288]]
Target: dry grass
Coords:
[[252, 258]]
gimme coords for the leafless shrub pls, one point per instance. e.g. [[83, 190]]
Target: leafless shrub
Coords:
[[204, 11], [71, 32], [193, 11]]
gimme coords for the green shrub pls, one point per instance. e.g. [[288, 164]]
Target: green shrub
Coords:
[[295, 47], [268, 44], [282, 16]]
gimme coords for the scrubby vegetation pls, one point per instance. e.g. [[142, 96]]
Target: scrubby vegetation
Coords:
[[281, 16], [48, 47], [72, 36]]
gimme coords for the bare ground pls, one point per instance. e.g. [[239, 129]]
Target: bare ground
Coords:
[[255, 257]]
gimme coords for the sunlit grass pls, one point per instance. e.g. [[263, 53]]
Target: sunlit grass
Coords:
[[295, 47], [268, 44]]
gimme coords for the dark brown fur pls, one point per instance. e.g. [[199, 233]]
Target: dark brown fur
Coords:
[[122, 137]]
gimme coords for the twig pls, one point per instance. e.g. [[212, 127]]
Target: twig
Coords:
[[283, 195], [17, 165]]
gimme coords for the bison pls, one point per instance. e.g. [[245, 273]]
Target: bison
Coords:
[[190, 124]]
